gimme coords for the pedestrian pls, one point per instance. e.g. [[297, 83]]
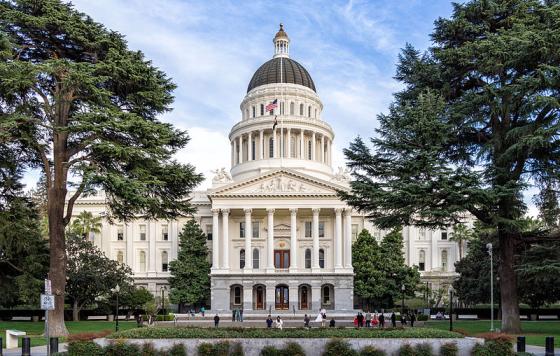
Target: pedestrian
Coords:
[[403, 319], [374, 320], [331, 323], [368, 319], [360, 320], [394, 319], [269, 321], [241, 315], [412, 319], [306, 320], [202, 311], [233, 315], [382, 320], [323, 319], [216, 320], [279, 322], [356, 321], [192, 312]]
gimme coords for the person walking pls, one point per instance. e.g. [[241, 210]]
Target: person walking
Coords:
[[306, 320], [394, 319], [360, 320], [216, 320], [202, 311], [233, 315], [241, 315], [412, 319], [368, 319], [403, 319], [382, 320], [269, 321]]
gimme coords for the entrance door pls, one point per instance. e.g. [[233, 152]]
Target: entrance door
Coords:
[[282, 258], [282, 298], [304, 298], [260, 298]]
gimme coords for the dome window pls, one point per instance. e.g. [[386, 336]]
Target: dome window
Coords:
[[292, 108], [262, 109], [301, 109]]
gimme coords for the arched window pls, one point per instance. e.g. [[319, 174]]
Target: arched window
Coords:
[[271, 147], [262, 109], [301, 109], [444, 260], [308, 258], [254, 111], [120, 257], [309, 149], [422, 260], [309, 111], [326, 295], [292, 108], [142, 261], [164, 261], [321, 258], [237, 295], [256, 258], [242, 259]]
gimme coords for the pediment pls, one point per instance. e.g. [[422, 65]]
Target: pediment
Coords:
[[279, 183]]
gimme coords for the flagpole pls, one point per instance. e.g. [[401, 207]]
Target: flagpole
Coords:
[[281, 118]]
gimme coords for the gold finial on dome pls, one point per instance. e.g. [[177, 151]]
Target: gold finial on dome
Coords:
[[281, 43]]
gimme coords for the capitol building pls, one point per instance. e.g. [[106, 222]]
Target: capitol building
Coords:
[[279, 236]]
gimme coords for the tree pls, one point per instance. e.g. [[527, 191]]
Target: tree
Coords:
[[85, 223], [86, 264], [85, 109], [475, 125], [134, 297], [380, 270], [190, 272], [461, 234]]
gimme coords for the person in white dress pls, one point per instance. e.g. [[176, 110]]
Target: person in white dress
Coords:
[[279, 322]]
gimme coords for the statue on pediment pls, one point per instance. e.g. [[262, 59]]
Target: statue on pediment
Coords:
[[221, 176]]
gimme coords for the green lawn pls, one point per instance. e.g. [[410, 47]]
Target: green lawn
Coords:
[[35, 330], [534, 331]]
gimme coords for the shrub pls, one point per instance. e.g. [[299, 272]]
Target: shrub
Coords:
[[148, 349], [271, 351], [449, 349], [236, 349], [82, 348], [205, 349], [88, 336], [293, 349], [176, 350], [423, 349], [121, 348], [406, 350], [218, 349], [495, 344], [338, 347], [371, 351], [422, 317]]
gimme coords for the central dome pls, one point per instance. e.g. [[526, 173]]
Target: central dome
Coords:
[[281, 70]]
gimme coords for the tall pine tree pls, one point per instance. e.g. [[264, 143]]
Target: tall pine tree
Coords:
[[190, 272], [476, 124]]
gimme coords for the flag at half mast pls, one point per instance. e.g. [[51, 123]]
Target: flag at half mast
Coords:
[[272, 105]]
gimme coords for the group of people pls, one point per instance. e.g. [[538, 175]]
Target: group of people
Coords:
[[378, 320], [278, 323], [237, 315]]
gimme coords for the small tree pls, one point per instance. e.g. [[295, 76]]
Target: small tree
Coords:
[[461, 234], [190, 273], [85, 223], [91, 274]]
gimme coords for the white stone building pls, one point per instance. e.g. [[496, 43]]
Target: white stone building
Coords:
[[297, 253]]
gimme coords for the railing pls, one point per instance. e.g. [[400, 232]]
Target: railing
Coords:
[[282, 270]]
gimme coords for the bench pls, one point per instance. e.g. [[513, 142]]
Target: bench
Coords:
[[177, 317], [21, 318], [467, 317], [97, 317], [524, 317], [548, 317], [12, 337], [434, 317]]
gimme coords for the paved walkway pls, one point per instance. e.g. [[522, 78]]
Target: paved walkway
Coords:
[[35, 351]]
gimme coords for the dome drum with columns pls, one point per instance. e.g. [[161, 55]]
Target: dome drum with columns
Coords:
[[279, 236]]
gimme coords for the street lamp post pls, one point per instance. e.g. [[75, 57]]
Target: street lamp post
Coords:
[[163, 289], [489, 247], [117, 290], [403, 288], [450, 308]]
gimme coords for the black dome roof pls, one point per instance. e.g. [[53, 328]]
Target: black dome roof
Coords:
[[293, 72]]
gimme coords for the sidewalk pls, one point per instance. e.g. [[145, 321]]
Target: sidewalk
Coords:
[[35, 351]]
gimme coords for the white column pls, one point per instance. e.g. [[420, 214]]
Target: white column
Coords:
[[348, 238], [234, 153], [225, 238], [274, 144], [130, 253], [174, 238], [261, 146], [270, 244], [315, 233], [329, 151], [323, 148], [289, 150], [301, 145], [215, 239], [240, 149], [313, 156], [338, 238], [249, 147], [293, 239], [248, 238], [151, 230]]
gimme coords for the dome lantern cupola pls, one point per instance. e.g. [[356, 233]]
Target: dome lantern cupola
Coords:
[[281, 43]]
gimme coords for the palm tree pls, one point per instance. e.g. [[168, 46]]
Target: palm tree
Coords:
[[461, 234], [85, 223]]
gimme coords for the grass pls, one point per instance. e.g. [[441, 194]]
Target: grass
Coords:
[[534, 331], [35, 329]]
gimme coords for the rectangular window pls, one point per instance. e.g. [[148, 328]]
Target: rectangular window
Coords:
[[308, 229], [164, 267], [444, 234], [421, 266], [256, 229], [242, 230], [142, 232], [209, 232], [253, 148], [164, 233], [262, 109], [321, 229], [422, 234], [120, 233], [354, 231], [254, 112], [282, 258]]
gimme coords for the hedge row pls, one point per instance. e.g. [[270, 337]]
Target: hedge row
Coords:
[[218, 333]]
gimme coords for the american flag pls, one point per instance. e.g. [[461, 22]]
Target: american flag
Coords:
[[272, 105]]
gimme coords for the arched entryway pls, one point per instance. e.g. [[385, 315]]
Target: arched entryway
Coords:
[[282, 297], [304, 295], [236, 296], [327, 296], [259, 297]]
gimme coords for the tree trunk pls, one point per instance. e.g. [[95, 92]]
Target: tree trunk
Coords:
[[75, 311], [511, 323]]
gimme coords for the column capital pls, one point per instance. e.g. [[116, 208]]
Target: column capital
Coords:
[[248, 211], [225, 211], [215, 211], [338, 210], [348, 211], [293, 211], [316, 210], [270, 211]]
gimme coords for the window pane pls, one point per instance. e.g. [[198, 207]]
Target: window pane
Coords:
[[242, 229], [321, 229], [308, 229], [256, 258], [308, 258], [242, 259], [322, 258], [256, 229]]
